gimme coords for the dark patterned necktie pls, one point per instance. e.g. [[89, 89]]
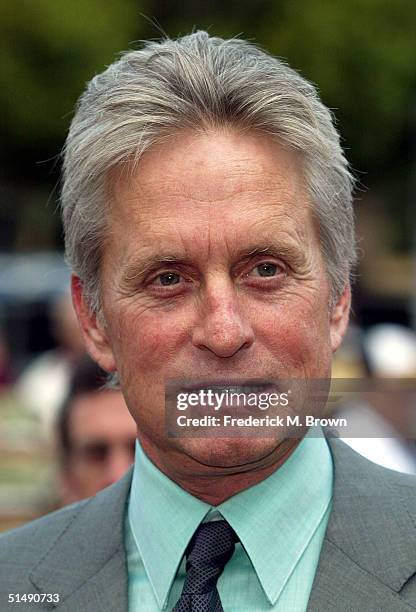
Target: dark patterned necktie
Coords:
[[212, 545]]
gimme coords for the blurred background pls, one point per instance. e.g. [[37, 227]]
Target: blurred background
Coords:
[[361, 55]]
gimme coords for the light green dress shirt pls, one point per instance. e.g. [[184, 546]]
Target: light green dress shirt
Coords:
[[280, 522]]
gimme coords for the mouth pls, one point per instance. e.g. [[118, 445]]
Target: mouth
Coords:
[[257, 385]]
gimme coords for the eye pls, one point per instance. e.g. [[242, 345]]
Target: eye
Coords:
[[267, 269], [168, 279]]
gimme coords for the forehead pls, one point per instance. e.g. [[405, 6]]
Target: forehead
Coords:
[[213, 183], [211, 166], [100, 413]]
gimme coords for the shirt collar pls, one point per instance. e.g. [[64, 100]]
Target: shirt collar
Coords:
[[274, 519], [163, 518]]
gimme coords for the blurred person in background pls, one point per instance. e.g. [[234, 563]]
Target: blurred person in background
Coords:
[[26, 466], [95, 435], [44, 383]]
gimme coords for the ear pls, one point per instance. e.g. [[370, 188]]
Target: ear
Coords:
[[93, 329], [339, 318]]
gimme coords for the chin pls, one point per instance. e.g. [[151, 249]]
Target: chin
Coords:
[[238, 454]]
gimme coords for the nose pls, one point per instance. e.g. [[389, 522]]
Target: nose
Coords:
[[222, 327], [117, 464]]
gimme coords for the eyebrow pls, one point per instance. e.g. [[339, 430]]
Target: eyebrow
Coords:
[[281, 250], [140, 268]]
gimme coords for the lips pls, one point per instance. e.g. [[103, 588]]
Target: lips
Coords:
[[230, 385]]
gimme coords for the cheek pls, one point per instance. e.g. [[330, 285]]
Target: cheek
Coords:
[[295, 335], [147, 344]]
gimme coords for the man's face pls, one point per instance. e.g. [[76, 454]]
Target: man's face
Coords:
[[212, 269], [102, 435]]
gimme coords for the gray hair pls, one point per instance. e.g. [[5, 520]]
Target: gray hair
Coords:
[[199, 82]]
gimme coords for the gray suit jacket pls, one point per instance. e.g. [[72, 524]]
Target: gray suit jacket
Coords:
[[367, 562]]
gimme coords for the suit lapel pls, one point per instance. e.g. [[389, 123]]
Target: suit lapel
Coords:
[[87, 563], [369, 549]]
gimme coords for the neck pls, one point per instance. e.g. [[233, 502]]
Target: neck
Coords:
[[214, 484]]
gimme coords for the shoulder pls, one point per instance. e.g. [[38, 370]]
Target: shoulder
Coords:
[[39, 534], [367, 557], [70, 539], [360, 482], [351, 467], [373, 518]]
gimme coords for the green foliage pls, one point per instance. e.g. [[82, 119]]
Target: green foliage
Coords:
[[48, 50], [360, 53]]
